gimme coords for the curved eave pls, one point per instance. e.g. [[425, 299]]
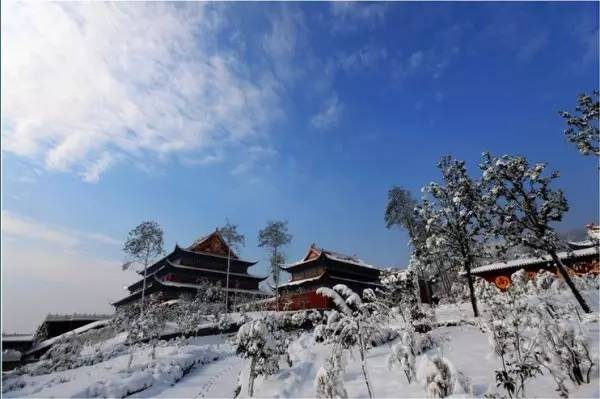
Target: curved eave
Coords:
[[187, 251], [300, 283], [201, 269], [302, 263]]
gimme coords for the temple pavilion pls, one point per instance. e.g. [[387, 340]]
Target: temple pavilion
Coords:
[[181, 271], [582, 257], [324, 268]]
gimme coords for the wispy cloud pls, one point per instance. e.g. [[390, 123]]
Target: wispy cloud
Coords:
[[254, 156], [432, 62], [367, 56], [532, 47], [283, 43], [328, 117], [350, 16], [23, 228], [88, 85]]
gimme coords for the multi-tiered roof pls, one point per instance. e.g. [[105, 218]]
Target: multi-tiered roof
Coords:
[[183, 269], [321, 267]]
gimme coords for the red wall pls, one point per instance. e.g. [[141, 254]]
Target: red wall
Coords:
[[305, 300]]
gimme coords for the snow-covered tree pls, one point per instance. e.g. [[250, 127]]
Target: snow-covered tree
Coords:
[[143, 245], [148, 326], [329, 382], [582, 127], [205, 306], [41, 333], [401, 211], [456, 218], [400, 293], [255, 341], [234, 241], [524, 207], [356, 323], [274, 236]]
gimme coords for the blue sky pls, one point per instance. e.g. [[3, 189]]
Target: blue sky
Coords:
[[189, 114]]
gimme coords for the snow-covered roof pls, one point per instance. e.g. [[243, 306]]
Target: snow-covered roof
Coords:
[[201, 269], [76, 316], [332, 255], [82, 329], [17, 337], [298, 282], [515, 263], [197, 286], [347, 259], [582, 244], [332, 276], [353, 280]]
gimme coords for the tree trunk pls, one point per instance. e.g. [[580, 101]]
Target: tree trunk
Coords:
[[276, 278], [227, 280], [472, 291], [130, 359], [563, 272], [251, 377], [363, 363], [144, 285]]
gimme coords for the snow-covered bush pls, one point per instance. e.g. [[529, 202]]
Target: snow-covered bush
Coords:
[[531, 330], [255, 341], [205, 306], [355, 323], [63, 355], [315, 317], [148, 326], [329, 382], [299, 318], [403, 354], [439, 378]]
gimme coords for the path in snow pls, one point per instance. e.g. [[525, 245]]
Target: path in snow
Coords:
[[217, 379]]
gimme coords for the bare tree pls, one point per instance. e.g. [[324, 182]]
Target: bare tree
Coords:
[[143, 245], [524, 206], [234, 241], [274, 236]]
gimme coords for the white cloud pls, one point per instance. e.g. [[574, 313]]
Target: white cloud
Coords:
[[350, 15], [329, 116], [283, 42], [15, 226], [87, 85]]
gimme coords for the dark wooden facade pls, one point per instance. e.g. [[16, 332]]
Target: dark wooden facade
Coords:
[[181, 271], [323, 268]]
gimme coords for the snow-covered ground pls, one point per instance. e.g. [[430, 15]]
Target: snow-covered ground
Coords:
[[209, 367], [466, 346]]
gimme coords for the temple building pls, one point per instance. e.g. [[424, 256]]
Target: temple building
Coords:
[[181, 271], [324, 268], [581, 258]]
